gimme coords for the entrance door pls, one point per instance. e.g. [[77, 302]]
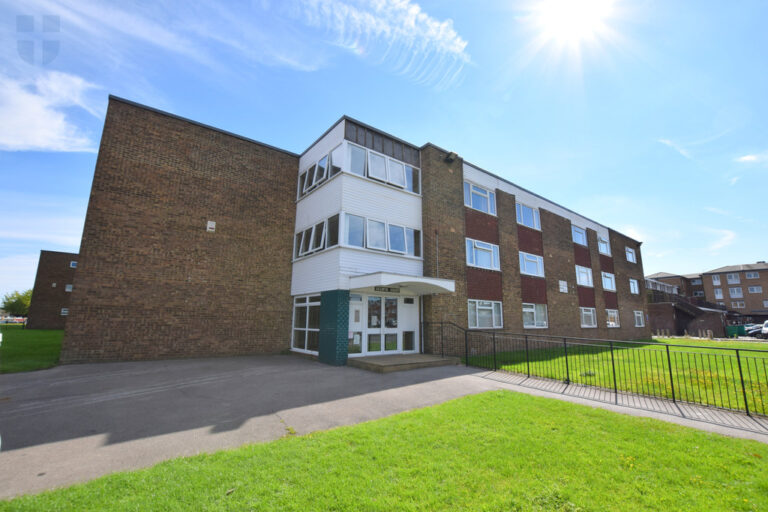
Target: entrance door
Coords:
[[356, 326], [382, 325]]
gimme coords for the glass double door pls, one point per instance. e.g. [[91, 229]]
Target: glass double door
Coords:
[[382, 325]]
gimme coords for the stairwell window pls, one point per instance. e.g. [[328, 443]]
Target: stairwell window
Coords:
[[609, 281], [534, 316], [355, 230], [639, 319], [396, 238], [634, 287], [377, 235], [484, 314], [531, 265], [588, 317], [612, 318], [479, 198], [584, 276], [482, 254]]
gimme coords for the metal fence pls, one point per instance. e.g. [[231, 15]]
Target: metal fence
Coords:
[[726, 378]]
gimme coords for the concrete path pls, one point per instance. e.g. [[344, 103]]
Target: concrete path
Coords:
[[74, 423]]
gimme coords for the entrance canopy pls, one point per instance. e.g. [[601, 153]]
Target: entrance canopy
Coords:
[[399, 283]]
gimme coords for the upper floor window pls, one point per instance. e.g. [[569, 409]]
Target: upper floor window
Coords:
[[609, 281], [531, 265], [584, 276], [753, 275], [484, 314], [716, 280], [67, 287], [528, 216], [736, 292], [634, 287], [696, 281], [64, 311], [718, 293], [382, 236], [733, 278], [698, 293], [322, 235], [603, 246], [482, 254], [631, 256], [318, 172], [72, 264], [755, 289], [579, 235], [479, 198]]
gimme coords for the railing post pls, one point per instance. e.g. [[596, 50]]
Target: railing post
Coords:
[[671, 380], [613, 366], [743, 389], [567, 371], [527, 358], [466, 348], [494, 351], [442, 339]]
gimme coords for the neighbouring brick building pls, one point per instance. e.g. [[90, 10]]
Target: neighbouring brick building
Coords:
[[200, 242], [49, 306]]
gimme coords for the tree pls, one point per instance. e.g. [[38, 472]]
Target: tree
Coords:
[[17, 303]]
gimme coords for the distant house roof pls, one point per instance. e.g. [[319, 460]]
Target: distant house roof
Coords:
[[691, 276], [660, 275], [760, 265]]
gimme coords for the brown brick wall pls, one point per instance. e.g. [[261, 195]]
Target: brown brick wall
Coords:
[[753, 302], [481, 226], [623, 271], [151, 282], [559, 263], [47, 299], [509, 250]]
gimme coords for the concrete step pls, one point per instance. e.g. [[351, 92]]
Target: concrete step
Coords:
[[400, 362]]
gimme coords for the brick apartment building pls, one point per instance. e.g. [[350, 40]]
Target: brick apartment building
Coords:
[[49, 306], [200, 242]]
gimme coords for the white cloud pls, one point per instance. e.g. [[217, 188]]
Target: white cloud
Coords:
[[734, 180], [676, 147], [17, 272], [718, 211], [753, 158], [34, 113], [724, 238]]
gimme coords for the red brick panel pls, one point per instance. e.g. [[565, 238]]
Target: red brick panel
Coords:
[[581, 255], [530, 240], [533, 289], [481, 226], [483, 284], [606, 263], [611, 300], [586, 296]]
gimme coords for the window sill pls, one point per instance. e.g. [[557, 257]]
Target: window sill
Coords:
[[484, 268], [533, 327], [531, 275], [589, 327]]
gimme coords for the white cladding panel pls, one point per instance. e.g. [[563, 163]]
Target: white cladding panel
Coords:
[[484, 179], [330, 140], [367, 198], [358, 262], [320, 204], [317, 273]]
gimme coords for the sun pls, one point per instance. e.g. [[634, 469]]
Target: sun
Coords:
[[569, 25]]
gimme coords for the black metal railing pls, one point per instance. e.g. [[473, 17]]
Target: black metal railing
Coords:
[[726, 378]]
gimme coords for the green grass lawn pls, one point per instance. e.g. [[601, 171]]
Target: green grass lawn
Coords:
[[495, 451], [699, 375], [26, 349]]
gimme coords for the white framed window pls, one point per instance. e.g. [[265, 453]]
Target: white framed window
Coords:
[[484, 314], [755, 289], [696, 281], [735, 292], [639, 319], [528, 216], [396, 172], [412, 179], [531, 265], [733, 278], [53, 285], [396, 239], [413, 242], [376, 235], [479, 198], [634, 287], [698, 293], [609, 281], [306, 324], [752, 275], [67, 287], [72, 264], [337, 161], [64, 311], [318, 237], [716, 280], [737, 304], [357, 160], [631, 256], [579, 235], [322, 235], [588, 317], [355, 230], [603, 246], [377, 166], [563, 286], [584, 276], [718, 293], [765, 304], [482, 254], [612, 318], [534, 316]]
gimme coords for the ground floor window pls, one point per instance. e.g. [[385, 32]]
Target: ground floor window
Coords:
[[588, 317], [534, 316], [484, 314], [612, 317], [306, 323], [639, 319]]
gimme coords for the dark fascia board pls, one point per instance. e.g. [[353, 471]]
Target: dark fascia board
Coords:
[[197, 123], [364, 125]]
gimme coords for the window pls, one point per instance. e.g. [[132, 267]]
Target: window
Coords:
[[396, 173], [765, 303], [64, 311], [528, 216], [733, 278], [479, 198], [716, 280], [579, 235], [482, 254], [698, 293], [634, 287], [67, 287], [377, 235], [531, 265], [72, 264], [316, 238], [337, 161], [735, 292], [631, 256], [396, 238], [53, 285], [696, 281], [355, 230], [755, 289], [588, 317], [752, 275], [737, 304], [484, 314], [413, 242], [612, 319], [603, 246], [718, 293], [609, 281], [563, 286], [412, 181], [306, 323], [639, 319], [322, 170], [377, 166], [332, 237], [357, 160], [534, 316], [584, 276]]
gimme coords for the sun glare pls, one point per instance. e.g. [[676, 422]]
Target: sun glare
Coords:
[[571, 23]]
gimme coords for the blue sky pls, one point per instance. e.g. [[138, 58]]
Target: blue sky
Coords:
[[647, 116]]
